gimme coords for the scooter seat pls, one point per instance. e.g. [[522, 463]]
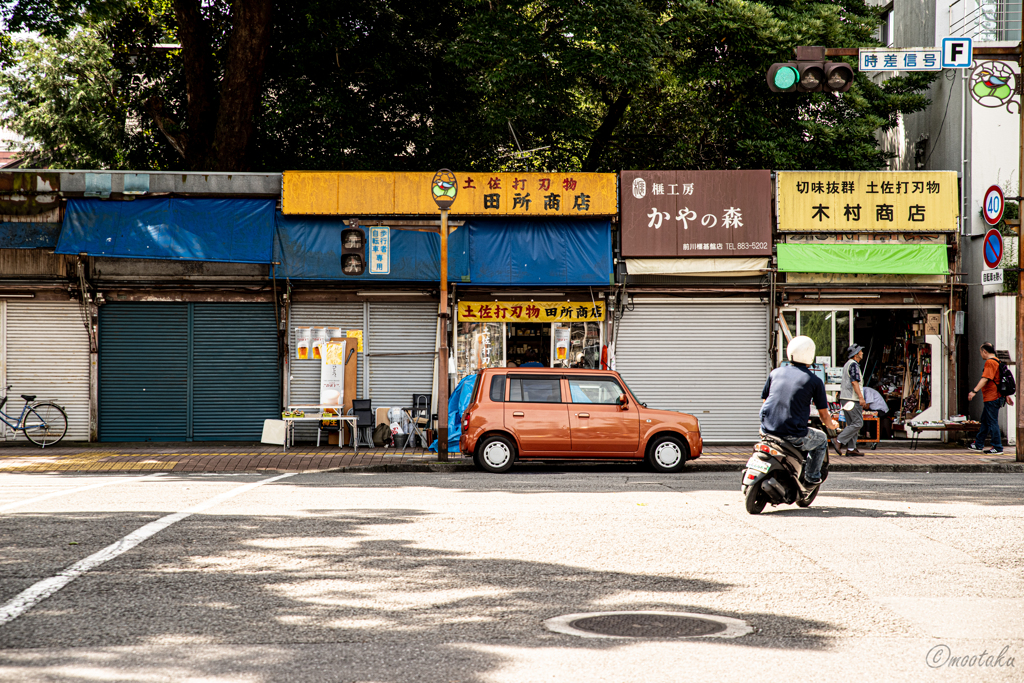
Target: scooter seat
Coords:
[[782, 444]]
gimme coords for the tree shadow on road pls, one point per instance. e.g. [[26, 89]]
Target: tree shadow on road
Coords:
[[330, 586]]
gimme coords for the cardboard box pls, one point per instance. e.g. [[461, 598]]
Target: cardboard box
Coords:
[[932, 324]]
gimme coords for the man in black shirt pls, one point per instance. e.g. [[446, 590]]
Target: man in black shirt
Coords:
[[787, 397]]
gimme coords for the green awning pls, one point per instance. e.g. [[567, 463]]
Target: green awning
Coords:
[[897, 259]]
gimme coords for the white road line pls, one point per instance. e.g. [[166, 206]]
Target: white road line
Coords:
[[64, 492], [41, 590]]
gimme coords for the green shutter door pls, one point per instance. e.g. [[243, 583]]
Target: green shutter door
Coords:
[[143, 356], [236, 380]]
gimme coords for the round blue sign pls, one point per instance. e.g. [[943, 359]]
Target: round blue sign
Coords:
[[993, 248]]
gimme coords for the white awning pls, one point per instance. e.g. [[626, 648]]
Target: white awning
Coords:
[[707, 267]]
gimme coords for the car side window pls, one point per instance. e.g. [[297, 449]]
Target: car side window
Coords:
[[498, 388], [603, 390], [535, 390]]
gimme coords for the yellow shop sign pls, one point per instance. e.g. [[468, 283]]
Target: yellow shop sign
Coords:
[[858, 201], [530, 311]]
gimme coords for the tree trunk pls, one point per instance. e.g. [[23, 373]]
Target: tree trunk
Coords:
[[194, 36], [243, 82], [604, 132]]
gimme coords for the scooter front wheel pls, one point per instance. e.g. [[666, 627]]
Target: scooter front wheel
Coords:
[[806, 502], [755, 499]]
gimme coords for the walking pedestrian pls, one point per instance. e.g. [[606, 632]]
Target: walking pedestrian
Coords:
[[988, 385], [852, 399]]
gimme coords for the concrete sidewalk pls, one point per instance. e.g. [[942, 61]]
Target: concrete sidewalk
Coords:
[[891, 456]]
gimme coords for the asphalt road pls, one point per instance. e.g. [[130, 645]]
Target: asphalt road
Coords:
[[450, 577]]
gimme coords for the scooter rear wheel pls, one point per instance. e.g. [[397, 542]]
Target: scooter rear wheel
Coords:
[[755, 499]]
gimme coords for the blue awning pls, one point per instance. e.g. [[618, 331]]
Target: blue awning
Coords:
[[225, 230], [540, 252], [29, 235], [310, 249]]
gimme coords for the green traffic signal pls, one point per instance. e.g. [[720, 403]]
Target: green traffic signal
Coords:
[[786, 77]]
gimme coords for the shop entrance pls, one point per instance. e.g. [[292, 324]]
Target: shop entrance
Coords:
[[528, 344]]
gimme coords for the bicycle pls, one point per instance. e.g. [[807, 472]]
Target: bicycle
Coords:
[[44, 423]]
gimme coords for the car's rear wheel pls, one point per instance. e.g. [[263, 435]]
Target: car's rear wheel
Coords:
[[667, 453], [496, 453]]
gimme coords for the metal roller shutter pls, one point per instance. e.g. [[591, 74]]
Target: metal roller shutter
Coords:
[[48, 355], [236, 382], [402, 346], [304, 380], [144, 372], [707, 359]]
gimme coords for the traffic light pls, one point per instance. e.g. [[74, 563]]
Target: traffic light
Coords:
[[809, 72], [353, 249]]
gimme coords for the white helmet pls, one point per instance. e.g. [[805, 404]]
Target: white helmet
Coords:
[[801, 350]]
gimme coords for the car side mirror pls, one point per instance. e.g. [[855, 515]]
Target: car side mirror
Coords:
[[623, 402]]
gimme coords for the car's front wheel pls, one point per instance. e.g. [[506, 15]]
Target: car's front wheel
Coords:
[[496, 454], [667, 453]]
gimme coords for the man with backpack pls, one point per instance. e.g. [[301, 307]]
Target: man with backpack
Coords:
[[995, 379]]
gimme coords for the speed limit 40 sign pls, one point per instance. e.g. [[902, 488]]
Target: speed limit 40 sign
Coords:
[[992, 208]]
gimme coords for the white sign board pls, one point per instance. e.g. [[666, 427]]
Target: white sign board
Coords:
[[900, 59], [380, 251], [957, 53], [992, 277]]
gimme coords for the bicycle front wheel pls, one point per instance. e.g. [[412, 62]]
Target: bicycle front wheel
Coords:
[[45, 424]]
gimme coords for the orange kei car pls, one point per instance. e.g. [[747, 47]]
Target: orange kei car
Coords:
[[553, 413]]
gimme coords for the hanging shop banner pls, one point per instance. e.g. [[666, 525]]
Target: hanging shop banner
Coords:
[[696, 213], [892, 201], [371, 193], [530, 311], [332, 374], [865, 238]]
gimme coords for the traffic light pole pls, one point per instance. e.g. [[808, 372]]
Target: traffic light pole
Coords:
[[442, 350]]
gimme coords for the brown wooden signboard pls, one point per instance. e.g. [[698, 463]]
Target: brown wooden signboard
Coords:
[[709, 214]]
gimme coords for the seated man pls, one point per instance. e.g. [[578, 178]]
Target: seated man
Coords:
[[787, 397]]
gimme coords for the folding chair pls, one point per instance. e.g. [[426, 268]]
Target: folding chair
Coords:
[[365, 422], [420, 418]]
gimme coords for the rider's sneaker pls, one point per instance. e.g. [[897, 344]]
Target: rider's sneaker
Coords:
[[813, 482]]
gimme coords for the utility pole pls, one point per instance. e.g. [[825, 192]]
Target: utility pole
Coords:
[[443, 188]]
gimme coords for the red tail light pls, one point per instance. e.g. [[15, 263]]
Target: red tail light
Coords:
[[765, 448]]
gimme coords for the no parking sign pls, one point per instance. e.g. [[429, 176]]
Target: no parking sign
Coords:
[[993, 251]]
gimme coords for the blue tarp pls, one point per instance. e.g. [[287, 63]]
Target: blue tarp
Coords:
[[310, 249], [540, 252], [226, 230], [29, 235], [457, 404]]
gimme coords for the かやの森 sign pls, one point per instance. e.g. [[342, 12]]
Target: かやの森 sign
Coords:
[[696, 213]]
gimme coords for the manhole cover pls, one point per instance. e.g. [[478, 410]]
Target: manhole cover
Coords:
[[655, 625]]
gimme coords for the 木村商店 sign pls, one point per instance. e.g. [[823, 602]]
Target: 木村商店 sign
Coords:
[[530, 311], [852, 201], [372, 193]]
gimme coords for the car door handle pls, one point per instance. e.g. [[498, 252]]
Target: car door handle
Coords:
[[582, 414], [518, 413]]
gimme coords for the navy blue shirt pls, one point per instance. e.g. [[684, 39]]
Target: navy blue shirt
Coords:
[[788, 394]]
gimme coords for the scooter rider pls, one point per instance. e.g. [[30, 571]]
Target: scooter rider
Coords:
[[786, 409]]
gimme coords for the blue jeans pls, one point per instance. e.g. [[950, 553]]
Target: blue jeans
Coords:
[[990, 425], [815, 444]]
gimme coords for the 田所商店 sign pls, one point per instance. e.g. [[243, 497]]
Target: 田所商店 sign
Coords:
[[372, 193], [530, 311], [862, 201]]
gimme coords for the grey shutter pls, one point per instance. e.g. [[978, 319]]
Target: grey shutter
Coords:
[[706, 359], [236, 381], [143, 364], [304, 380], [402, 345], [48, 355]]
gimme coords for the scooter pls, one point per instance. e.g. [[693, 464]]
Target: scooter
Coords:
[[774, 474]]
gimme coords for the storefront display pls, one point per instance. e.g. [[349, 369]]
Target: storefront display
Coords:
[[899, 344], [570, 336]]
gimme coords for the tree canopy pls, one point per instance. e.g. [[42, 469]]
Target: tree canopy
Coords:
[[595, 85]]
